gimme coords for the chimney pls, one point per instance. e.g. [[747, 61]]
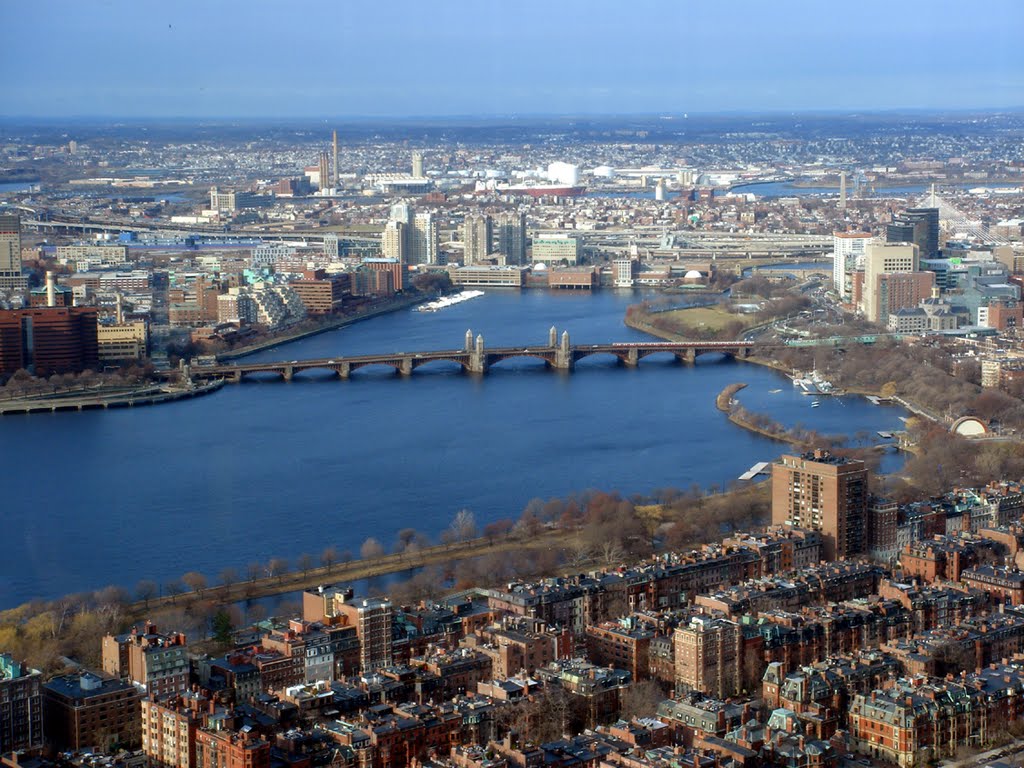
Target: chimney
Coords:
[[51, 290]]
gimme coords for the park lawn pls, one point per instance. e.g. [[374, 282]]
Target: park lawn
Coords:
[[713, 318]]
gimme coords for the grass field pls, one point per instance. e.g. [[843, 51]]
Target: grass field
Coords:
[[713, 318]]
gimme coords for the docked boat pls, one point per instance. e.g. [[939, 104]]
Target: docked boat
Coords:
[[448, 301]]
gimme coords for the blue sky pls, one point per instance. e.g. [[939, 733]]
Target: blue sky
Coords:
[[310, 58]]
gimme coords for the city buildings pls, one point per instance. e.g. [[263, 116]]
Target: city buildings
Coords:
[[825, 493], [21, 706], [848, 251], [84, 711], [158, 664], [892, 280], [476, 236], [48, 340], [556, 249]]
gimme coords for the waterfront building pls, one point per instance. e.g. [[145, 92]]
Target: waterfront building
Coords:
[[48, 340], [11, 275], [84, 711], [393, 267], [554, 249], [21, 706], [487, 275], [158, 664], [122, 341], [476, 237], [624, 271], [823, 493], [372, 617]]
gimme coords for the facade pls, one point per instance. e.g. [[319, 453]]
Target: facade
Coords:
[[709, 657], [422, 239], [511, 237], [476, 235], [83, 258], [84, 712], [393, 267], [624, 271], [11, 277], [848, 256], [156, 663], [122, 341], [488, 275], [883, 291], [919, 226], [48, 340], [554, 249], [393, 241], [21, 706], [169, 730], [217, 748], [823, 493]]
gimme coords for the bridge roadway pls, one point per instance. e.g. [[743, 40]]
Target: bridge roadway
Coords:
[[474, 357]]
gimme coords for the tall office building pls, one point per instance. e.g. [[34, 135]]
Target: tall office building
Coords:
[[824, 493], [892, 280], [511, 234], [919, 226], [848, 253], [476, 234], [417, 165], [422, 239], [11, 276]]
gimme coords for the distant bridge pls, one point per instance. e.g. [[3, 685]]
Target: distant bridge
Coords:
[[475, 357]]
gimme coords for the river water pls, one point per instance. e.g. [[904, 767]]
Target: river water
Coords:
[[272, 469]]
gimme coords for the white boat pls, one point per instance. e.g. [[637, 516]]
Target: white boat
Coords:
[[774, 391], [448, 301], [815, 404]]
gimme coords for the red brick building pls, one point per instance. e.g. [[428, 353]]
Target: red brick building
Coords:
[[48, 340]]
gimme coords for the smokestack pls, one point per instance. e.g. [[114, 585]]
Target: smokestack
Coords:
[[120, 310], [335, 159], [842, 190], [51, 291]]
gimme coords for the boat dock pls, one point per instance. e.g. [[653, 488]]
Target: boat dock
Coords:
[[761, 468]]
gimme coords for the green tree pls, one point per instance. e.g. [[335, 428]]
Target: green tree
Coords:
[[222, 626]]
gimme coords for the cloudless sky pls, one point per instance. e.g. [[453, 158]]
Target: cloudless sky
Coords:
[[338, 58]]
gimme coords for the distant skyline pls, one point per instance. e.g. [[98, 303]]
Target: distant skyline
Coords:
[[140, 59]]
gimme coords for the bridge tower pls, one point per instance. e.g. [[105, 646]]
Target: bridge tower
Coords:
[[563, 354], [478, 356], [469, 339], [553, 337]]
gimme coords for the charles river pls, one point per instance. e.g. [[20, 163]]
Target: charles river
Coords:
[[272, 469]]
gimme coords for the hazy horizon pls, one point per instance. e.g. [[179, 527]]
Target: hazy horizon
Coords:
[[125, 59]]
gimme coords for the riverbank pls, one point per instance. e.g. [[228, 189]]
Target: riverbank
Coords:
[[403, 302], [131, 399]]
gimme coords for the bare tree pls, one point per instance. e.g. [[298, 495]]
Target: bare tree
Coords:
[[277, 568], [228, 576], [304, 563], [195, 581], [254, 571], [371, 549], [328, 557], [174, 588], [146, 590], [463, 526], [641, 699]]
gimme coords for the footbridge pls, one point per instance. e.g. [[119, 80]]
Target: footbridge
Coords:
[[475, 357]]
